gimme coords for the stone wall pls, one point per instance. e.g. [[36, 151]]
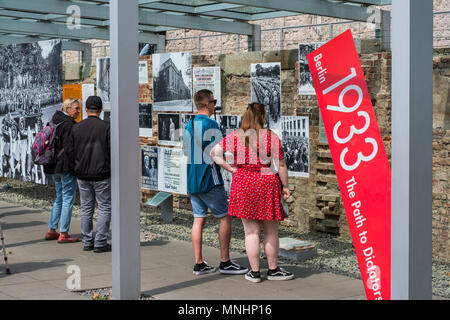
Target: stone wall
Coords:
[[316, 203]]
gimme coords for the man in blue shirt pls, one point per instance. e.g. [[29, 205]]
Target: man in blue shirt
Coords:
[[205, 184]]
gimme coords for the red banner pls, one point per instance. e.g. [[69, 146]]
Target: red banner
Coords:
[[359, 157]]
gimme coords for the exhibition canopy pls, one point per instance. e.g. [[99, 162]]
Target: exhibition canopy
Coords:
[[125, 23], [30, 20]]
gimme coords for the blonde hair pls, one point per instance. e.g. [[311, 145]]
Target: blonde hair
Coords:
[[68, 103]]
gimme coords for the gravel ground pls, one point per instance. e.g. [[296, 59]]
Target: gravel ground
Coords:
[[334, 254], [105, 294]]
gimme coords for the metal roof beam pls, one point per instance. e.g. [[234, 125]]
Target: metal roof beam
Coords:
[[193, 22], [371, 2], [56, 7], [9, 39], [61, 31], [316, 7], [273, 14], [98, 12], [215, 7]]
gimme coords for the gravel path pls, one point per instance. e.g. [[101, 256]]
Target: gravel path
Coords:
[[334, 254]]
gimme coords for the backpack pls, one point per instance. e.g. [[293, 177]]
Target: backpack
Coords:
[[43, 148]]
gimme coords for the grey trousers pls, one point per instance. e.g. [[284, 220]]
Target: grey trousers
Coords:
[[91, 191]]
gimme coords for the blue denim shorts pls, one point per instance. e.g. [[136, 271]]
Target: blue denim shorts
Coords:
[[215, 199]]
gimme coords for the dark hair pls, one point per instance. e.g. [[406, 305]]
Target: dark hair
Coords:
[[94, 103], [200, 95]]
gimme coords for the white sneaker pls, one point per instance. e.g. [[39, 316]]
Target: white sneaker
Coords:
[[279, 274]]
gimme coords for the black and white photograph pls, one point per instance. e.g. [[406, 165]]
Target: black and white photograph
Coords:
[[168, 129], [106, 116], [103, 81], [208, 78], [266, 89], [172, 81], [228, 124], [172, 170], [185, 118], [145, 120], [30, 93], [305, 82], [143, 72], [149, 173], [295, 131]]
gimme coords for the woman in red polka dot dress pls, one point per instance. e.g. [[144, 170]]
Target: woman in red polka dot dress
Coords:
[[255, 191]]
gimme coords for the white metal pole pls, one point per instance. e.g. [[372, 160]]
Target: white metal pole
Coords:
[[126, 266], [412, 124]]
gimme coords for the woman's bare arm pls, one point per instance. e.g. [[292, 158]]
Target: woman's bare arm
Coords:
[[283, 172], [217, 155]]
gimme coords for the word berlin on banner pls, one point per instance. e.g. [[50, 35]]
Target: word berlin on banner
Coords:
[[359, 157]]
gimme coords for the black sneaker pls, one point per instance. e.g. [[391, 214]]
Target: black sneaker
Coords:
[[88, 247], [203, 268], [253, 276], [231, 267], [279, 274], [105, 248]]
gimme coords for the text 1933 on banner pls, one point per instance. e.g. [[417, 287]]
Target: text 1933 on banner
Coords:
[[359, 157]]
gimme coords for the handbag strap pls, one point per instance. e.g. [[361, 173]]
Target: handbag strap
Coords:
[[257, 149]]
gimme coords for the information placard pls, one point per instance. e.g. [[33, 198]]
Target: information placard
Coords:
[[359, 157], [172, 170]]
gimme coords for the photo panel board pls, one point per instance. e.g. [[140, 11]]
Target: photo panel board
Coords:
[[228, 123], [149, 167], [103, 81], [266, 89], [168, 129], [305, 83], [31, 91], [172, 170], [145, 120], [184, 120], [295, 133], [172, 81], [143, 72], [208, 78]]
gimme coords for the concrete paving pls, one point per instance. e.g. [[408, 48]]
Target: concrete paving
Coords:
[[39, 269]]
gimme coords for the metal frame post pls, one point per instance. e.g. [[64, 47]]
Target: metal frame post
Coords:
[[383, 30], [161, 45], [412, 124], [281, 39], [254, 41], [126, 265]]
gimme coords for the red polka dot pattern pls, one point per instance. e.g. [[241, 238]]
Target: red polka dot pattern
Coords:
[[255, 192]]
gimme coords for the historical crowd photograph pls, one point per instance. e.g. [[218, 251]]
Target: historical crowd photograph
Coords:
[[305, 85], [295, 134], [168, 129], [103, 81], [30, 93], [172, 81], [145, 120], [266, 89], [149, 160]]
